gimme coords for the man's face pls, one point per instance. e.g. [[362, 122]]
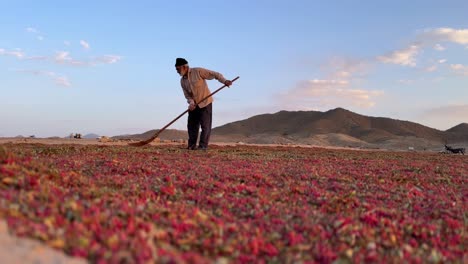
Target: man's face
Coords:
[[182, 70]]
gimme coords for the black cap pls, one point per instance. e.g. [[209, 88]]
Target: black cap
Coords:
[[180, 62]]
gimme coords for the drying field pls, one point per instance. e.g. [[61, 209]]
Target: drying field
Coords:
[[236, 203]]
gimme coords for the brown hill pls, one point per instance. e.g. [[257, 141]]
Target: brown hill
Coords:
[[336, 127], [460, 129], [458, 133], [168, 134], [305, 126]]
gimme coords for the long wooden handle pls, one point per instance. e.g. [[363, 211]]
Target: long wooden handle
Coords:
[[144, 142], [213, 93]]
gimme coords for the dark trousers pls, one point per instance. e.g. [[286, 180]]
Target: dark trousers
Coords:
[[196, 118]]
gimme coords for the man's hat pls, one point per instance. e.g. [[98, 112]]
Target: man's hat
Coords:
[[180, 62]]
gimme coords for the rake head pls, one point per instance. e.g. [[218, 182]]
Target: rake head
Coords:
[[142, 143]]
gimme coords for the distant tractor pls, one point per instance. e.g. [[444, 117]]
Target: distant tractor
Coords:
[[455, 150]]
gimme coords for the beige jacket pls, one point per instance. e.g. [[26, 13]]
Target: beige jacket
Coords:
[[195, 87]]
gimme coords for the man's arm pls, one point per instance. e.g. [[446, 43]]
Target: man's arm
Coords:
[[188, 95], [210, 75]]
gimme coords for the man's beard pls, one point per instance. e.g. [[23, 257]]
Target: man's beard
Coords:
[[182, 73]]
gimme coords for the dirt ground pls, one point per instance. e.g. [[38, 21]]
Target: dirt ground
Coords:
[[23, 250]]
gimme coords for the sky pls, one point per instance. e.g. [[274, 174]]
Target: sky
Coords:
[[107, 67]]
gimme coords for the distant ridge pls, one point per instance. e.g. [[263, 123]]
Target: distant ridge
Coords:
[[339, 120], [335, 127], [91, 136], [461, 128], [303, 125]]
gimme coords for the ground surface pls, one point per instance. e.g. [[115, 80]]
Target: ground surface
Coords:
[[236, 203], [23, 250]]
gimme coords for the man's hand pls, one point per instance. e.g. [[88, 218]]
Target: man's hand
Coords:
[[228, 83], [191, 106]]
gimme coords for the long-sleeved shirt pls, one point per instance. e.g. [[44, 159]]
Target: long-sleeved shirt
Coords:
[[195, 87]]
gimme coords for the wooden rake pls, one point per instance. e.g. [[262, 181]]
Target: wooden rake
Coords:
[[147, 141]]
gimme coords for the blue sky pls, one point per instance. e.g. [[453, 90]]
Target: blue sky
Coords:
[[107, 67]]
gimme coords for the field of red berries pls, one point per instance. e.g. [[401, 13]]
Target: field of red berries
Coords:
[[237, 204]]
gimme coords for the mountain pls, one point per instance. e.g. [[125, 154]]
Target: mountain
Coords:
[[91, 136], [301, 124], [337, 125], [461, 128], [458, 133]]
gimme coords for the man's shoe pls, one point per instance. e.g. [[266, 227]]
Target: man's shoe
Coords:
[[192, 147], [202, 148]]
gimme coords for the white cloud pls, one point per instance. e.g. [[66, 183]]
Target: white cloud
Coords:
[[62, 81], [460, 69], [406, 81], [107, 59], [328, 93], [439, 47], [335, 89], [359, 97], [429, 37], [84, 44], [37, 58], [442, 61], [58, 79], [431, 68], [459, 36], [62, 57], [460, 111], [343, 74], [37, 72], [36, 32], [327, 82], [345, 68], [457, 66], [15, 53], [32, 30], [405, 57]]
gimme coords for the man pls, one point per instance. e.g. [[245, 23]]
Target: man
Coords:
[[195, 88]]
